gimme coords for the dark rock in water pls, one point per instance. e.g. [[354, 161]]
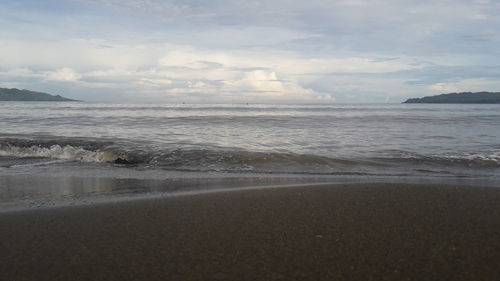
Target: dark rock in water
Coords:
[[466, 97], [25, 95], [122, 161]]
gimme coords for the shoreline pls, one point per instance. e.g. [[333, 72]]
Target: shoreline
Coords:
[[353, 231], [37, 191]]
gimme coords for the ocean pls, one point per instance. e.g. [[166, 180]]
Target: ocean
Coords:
[[109, 150]]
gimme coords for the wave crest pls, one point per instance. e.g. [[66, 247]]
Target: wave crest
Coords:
[[219, 159], [56, 151]]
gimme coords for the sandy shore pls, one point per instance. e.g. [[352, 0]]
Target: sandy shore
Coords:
[[335, 232]]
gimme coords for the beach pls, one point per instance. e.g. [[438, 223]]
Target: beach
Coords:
[[357, 231], [249, 140]]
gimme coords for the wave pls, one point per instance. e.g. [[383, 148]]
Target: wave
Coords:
[[233, 160], [67, 150], [59, 152], [467, 159], [239, 107]]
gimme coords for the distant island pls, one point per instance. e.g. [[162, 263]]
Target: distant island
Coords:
[[26, 95], [465, 97]]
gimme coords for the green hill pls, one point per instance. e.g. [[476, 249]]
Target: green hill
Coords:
[[25, 95], [466, 97]]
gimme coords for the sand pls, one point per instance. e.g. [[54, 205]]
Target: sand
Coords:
[[330, 232]]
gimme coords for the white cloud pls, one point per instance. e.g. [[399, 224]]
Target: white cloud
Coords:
[[260, 81], [265, 85], [264, 50], [467, 85], [167, 69], [79, 54], [443, 88], [20, 72], [63, 74], [154, 82]]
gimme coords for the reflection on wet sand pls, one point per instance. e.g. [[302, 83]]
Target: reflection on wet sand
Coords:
[[28, 191]]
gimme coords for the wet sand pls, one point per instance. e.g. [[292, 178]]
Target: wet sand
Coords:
[[332, 232]]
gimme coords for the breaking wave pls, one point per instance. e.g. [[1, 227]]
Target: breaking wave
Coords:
[[66, 152], [214, 159]]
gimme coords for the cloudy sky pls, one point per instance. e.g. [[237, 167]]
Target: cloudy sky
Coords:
[[224, 51]]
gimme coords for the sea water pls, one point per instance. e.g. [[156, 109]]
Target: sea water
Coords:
[[251, 141]]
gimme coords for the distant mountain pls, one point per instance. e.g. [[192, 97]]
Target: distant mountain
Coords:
[[25, 95], [466, 97]]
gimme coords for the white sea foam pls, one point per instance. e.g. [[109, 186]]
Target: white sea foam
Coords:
[[66, 152], [492, 157]]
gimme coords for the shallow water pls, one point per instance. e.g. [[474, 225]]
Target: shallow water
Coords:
[[342, 140]]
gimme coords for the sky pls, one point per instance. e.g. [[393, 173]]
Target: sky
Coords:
[[240, 51]]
